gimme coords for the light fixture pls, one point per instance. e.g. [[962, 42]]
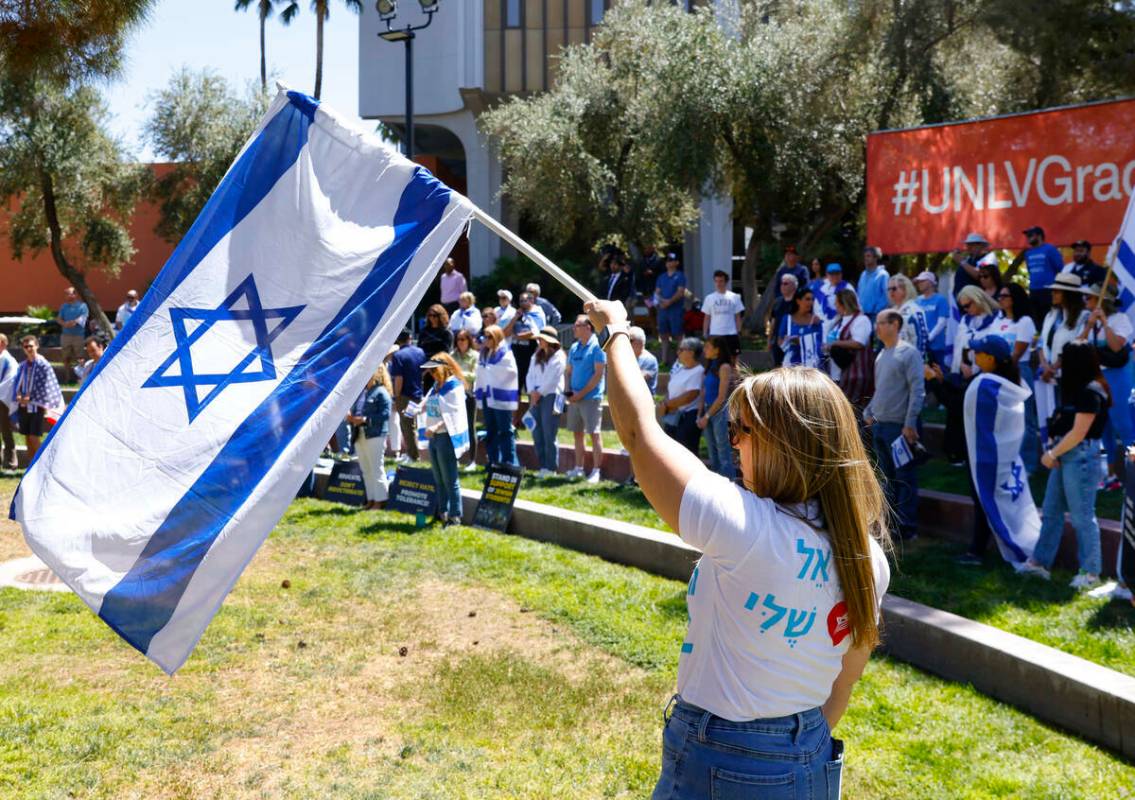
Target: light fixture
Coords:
[[387, 8]]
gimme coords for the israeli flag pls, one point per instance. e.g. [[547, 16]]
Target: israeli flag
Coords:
[[207, 412], [995, 425], [1121, 257]]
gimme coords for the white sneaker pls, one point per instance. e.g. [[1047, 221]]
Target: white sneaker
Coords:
[[402, 459], [593, 477], [574, 472], [545, 473], [471, 468], [1085, 580], [1036, 570]]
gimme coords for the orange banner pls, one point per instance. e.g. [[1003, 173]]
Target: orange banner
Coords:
[[1068, 170]]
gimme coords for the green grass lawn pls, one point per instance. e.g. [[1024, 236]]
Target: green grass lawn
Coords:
[[924, 571], [528, 672]]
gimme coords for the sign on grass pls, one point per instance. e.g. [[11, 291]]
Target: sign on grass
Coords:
[[494, 510], [346, 484], [413, 491]]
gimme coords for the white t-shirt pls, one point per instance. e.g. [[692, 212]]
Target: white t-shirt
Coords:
[[860, 332], [721, 308], [765, 637], [682, 380], [1024, 330]]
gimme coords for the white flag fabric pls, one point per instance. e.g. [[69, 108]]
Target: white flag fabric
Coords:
[[995, 425], [207, 412]]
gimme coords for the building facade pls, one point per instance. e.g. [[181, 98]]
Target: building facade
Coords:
[[475, 53]]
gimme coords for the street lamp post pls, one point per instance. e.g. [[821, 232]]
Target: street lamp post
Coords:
[[387, 11]]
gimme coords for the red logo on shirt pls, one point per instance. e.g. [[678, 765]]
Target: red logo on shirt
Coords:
[[838, 625]]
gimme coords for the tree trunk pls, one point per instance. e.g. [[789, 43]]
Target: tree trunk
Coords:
[[756, 306], [263, 58], [72, 273], [318, 51]]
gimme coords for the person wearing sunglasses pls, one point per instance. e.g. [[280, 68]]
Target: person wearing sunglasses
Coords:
[[35, 392], [904, 298], [783, 605]]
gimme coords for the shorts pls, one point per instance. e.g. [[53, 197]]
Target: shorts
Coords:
[[585, 416], [670, 320], [31, 422], [72, 347], [731, 340]]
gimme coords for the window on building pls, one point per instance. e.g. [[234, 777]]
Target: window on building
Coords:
[[595, 11], [512, 12]]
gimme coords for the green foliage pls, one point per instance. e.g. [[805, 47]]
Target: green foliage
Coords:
[[514, 273], [200, 124]]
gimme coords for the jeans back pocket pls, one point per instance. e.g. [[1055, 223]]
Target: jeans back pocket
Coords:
[[742, 786], [834, 769]]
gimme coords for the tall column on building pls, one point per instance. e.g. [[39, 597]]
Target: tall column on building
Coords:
[[709, 247]]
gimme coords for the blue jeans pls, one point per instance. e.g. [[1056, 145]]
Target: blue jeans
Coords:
[[443, 462], [544, 435], [1030, 444], [1072, 487], [703, 756], [718, 444], [1118, 434], [901, 484], [500, 440]]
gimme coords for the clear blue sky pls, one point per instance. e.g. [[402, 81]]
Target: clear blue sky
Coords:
[[208, 33]]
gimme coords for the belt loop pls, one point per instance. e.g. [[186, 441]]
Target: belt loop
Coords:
[[702, 725], [669, 710], [799, 729]]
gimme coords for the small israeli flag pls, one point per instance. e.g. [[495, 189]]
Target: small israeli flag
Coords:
[[995, 425], [205, 415]]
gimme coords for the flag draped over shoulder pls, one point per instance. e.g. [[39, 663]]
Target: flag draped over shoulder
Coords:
[[995, 425], [206, 414]]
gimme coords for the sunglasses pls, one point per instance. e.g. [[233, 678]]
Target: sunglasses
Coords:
[[892, 288], [29, 347], [1004, 296]]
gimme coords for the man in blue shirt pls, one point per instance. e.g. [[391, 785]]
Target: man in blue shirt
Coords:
[[872, 288], [1044, 263], [527, 322], [670, 302], [585, 375], [791, 266], [72, 320], [406, 374]]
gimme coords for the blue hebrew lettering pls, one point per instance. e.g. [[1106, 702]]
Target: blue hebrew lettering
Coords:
[[823, 559], [803, 549], [751, 603], [693, 582], [778, 612], [798, 626]]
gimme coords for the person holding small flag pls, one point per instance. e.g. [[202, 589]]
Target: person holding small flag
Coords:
[[497, 387], [545, 385], [36, 392], [892, 418], [446, 427]]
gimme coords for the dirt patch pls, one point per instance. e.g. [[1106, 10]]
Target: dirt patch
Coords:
[[364, 688]]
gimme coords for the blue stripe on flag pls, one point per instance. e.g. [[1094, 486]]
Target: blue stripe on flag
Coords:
[[986, 418], [1124, 269], [506, 395], [270, 155], [141, 604], [459, 439]]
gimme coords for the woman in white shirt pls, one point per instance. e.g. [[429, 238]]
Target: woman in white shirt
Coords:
[[466, 317], [784, 603], [679, 411], [545, 385], [1017, 309], [904, 299], [1110, 331], [1063, 323]]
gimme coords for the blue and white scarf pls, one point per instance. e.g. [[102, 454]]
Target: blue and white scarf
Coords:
[[497, 381]]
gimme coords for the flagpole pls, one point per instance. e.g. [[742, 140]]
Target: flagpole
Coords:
[[568, 281]]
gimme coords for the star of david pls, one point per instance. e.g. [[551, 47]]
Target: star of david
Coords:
[[189, 379], [1018, 486]]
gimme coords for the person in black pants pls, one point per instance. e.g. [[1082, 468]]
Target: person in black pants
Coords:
[[679, 410]]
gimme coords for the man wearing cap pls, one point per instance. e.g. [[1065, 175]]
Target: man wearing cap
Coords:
[[936, 310], [976, 255], [791, 266], [126, 310], [669, 297], [505, 313], [900, 389], [826, 297], [406, 374], [1091, 273], [1044, 264], [872, 287]]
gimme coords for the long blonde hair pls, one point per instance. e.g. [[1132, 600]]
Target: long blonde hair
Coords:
[[449, 368], [381, 376], [805, 445]]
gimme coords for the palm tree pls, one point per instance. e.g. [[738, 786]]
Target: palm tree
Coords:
[[322, 9], [263, 11]]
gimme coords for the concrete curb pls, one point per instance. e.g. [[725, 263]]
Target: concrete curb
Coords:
[[1091, 701]]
